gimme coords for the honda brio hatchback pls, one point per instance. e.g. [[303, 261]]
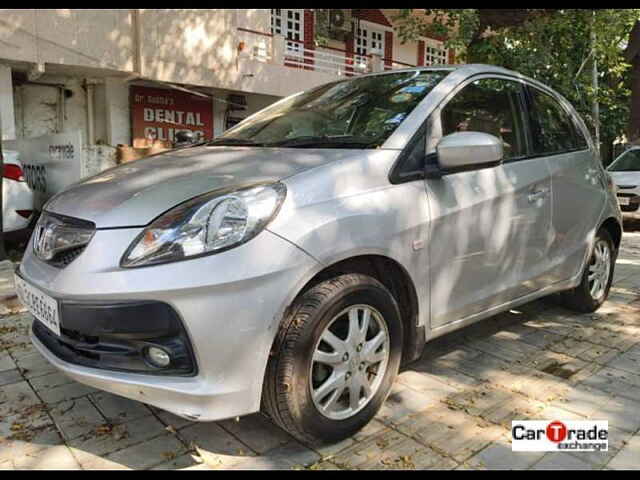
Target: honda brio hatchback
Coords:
[[292, 264], [625, 172]]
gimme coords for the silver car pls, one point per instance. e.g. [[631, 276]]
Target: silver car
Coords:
[[625, 172], [294, 263]]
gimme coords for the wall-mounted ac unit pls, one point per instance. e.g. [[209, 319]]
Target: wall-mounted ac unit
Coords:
[[340, 19], [334, 23]]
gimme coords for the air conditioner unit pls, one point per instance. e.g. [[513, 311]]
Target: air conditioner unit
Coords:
[[340, 19], [333, 23]]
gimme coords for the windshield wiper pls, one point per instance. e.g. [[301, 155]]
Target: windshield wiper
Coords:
[[336, 141], [236, 142]]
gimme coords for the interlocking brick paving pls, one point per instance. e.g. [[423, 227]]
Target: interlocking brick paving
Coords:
[[451, 409]]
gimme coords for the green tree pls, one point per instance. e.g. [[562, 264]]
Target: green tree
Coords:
[[550, 45]]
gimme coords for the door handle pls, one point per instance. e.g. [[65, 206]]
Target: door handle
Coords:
[[537, 194]]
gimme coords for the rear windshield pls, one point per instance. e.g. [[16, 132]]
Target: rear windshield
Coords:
[[629, 161], [358, 113]]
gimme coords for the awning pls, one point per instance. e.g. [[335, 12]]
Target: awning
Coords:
[[183, 89]]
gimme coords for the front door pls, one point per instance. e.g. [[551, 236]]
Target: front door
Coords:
[[490, 227]]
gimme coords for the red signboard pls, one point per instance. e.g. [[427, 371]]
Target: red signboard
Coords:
[[157, 114]]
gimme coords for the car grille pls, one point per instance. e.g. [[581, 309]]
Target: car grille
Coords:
[[626, 187], [63, 259], [50, 228]]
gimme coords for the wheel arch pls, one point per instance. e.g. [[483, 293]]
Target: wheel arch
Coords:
[[614, 228], [395, 278]]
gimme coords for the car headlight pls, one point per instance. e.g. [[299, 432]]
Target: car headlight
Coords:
[[207, 224]]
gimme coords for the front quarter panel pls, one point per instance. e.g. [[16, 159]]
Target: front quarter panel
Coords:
[[349, 208]]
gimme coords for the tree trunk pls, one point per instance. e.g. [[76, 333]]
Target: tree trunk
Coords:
[[631, 55], [633, 130], [606, 152]]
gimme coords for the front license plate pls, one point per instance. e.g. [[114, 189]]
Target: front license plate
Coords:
[[41, 305], [623, 200]]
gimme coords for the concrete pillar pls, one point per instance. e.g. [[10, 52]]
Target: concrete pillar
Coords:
[[278, 46], [7, 114], [375, 63], [116, 108]]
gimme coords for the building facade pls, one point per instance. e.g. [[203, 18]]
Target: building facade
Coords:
[[137, 76]]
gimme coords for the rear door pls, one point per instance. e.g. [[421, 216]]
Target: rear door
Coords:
[[577, 190], [489, 227]]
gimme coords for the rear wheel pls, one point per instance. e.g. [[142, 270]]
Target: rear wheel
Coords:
[[334, 360], [596, 278]]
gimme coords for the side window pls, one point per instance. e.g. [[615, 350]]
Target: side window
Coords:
[[629, 161], [489, 105], [552, 128], [416, 155], [581, 141]]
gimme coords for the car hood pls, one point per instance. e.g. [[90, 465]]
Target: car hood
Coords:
[[135, 193], [625, 178]]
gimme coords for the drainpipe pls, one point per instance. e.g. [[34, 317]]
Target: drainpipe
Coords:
[[60, 110], [137, 48], [90, 122]]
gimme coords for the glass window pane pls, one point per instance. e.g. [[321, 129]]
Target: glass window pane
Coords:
[[629, 161], [552, 128], [365, 108], [491, 106]]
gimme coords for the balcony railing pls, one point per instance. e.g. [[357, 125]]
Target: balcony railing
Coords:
[[393, 65], [331, 61], [293, 54]]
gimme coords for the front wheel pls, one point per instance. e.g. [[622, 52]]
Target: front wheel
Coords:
[[335, 359], [596, 278]]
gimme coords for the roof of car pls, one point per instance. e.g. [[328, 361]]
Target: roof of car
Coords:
[[468, 69], [473, 68]]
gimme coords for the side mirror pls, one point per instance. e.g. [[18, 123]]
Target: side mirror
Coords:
[[465, 150]]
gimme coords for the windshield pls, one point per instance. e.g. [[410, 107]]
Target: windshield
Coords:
[[358, 113], [629, 161]]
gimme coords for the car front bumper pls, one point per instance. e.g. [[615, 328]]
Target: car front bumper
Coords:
[[230, 305]]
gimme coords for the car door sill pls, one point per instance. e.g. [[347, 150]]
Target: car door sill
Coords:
[[463, 322]]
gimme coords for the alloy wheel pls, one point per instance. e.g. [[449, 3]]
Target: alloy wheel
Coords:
[[599, 270], [349, 362]]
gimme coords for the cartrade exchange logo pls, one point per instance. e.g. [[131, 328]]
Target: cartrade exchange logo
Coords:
[[545, 436]]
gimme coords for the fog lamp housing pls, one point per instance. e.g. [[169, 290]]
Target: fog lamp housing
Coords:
[[158, 357]]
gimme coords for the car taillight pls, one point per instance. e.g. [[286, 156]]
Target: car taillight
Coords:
[[13, 172], [24, 213]]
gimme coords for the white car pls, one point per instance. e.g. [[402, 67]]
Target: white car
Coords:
[[17, 197], [625, 172]]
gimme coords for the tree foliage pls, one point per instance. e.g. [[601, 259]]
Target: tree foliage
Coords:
[[550, 45]]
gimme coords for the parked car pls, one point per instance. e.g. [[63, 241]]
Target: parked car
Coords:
[[292, 264], [625, 172], [17, 198]]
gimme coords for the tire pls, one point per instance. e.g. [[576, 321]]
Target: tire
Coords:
[[294, 373], [582, 298]]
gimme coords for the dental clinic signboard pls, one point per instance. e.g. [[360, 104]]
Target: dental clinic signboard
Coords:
[[157, 114]]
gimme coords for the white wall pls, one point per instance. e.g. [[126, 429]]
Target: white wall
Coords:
[[37, 107], [118, 119], [7, 115], [406, 53], [93, 38]]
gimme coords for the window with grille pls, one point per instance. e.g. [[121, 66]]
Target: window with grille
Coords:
[[290, 24], [368, 41], [435, 53]]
